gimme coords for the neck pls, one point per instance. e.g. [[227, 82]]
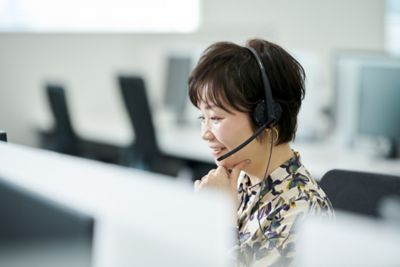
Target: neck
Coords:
[[280, 154]]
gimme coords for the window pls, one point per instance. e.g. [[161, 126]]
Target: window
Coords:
[[99, 16], [392, 26]]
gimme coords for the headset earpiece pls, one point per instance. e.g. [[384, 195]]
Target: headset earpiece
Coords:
[[277, 112], [260, 113], [260, 116], [267, 112]]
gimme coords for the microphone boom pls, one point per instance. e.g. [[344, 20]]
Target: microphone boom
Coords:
[[245, 143]]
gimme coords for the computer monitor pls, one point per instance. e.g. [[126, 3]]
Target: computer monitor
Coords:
[[379, 104], [348, 66], [176, 90]]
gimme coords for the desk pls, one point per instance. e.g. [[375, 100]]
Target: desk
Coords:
[[140, 218], [179, 140], [322, 157], [185, 142], [318, 157]]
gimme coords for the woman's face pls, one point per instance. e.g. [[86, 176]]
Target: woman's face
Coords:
[[224, 131]]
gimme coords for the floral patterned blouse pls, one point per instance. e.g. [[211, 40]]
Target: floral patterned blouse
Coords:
[[274, 206]]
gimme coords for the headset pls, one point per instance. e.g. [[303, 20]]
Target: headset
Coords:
[[267, 111]]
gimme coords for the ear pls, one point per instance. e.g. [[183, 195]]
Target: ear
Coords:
[[274, 134]]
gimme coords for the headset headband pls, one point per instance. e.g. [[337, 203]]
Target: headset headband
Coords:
[[269, 101]]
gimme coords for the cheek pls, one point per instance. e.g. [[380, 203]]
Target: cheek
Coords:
[[231, 135], [225, 134]]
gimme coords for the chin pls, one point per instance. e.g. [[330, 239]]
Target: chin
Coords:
[[226, 163]]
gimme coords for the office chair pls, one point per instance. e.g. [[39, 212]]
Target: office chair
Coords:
[[359, 192], [3, 136], [65, 140], [144, 153]]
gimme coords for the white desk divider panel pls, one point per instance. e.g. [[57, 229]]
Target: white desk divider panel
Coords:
[[140, 218], [348, 241]]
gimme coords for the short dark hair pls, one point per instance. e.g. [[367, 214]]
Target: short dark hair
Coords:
[[227, 76]]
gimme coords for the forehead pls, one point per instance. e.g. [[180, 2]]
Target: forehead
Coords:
[[211, 97], [207, 106]]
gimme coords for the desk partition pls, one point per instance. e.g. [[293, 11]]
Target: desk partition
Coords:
[[140, 219]]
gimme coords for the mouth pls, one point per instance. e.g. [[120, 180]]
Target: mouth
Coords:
[[216, 151]]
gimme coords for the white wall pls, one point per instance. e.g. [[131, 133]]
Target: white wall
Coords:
[[88, 63]]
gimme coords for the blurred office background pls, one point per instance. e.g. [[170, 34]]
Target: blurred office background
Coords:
[[86, 77], [88, 49]]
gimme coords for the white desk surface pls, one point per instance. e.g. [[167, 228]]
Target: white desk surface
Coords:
[[322, 157], [128, 205], [186, 142], [318, 158]]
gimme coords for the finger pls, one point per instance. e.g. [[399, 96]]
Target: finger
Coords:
[[221, 170], [211, 171], [196, 185]]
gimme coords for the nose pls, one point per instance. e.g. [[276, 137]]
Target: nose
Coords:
[[206, 134]]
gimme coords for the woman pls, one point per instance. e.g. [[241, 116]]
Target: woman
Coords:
[[256, 91]]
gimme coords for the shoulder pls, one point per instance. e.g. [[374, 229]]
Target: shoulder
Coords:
[[302, 193], [295, 194]]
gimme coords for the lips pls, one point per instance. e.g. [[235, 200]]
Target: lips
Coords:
[[216, 150]]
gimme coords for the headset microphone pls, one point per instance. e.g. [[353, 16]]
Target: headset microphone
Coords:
[[266, 113], [245, 143]]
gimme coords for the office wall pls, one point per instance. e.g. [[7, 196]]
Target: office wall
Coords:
[[88, 63]]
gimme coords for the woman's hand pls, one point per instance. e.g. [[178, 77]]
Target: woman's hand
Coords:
[[222, 179]]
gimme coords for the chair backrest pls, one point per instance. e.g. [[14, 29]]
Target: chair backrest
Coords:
[[3, 136], [66, 140], [134, 94], [59, 107], [359, 192]]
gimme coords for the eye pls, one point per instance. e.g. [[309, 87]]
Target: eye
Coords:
[[215, 119], [201, 118]]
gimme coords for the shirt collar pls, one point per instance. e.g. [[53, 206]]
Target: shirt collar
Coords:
[[287, 168]]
